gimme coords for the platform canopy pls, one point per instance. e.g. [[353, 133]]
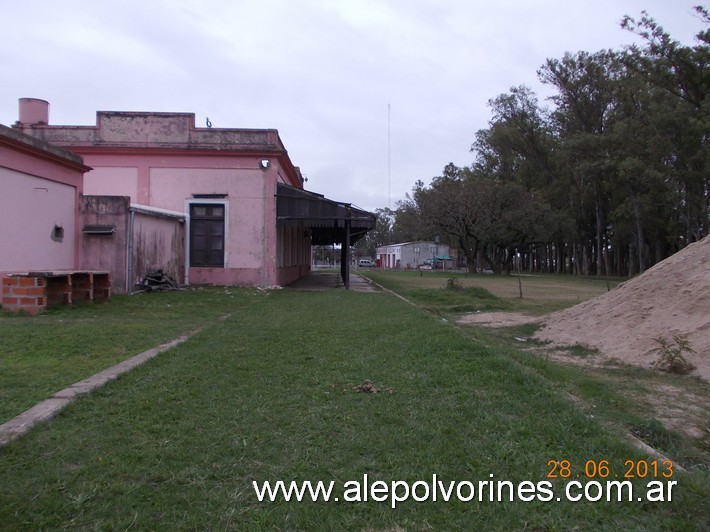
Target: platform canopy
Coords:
[[330, 222]]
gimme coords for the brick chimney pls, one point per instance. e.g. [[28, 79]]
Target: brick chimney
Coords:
[[33, 112]]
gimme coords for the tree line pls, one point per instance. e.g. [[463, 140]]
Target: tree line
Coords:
[[610, 179]]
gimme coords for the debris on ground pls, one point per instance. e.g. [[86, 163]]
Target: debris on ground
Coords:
[[157, 280], [368, 386], [269, 288]]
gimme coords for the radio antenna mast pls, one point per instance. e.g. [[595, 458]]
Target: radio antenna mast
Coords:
[[389, 161]]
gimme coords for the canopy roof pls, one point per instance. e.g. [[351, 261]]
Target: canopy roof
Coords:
[[330, 222]]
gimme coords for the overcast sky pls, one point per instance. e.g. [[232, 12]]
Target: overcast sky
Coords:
[[322, 72]]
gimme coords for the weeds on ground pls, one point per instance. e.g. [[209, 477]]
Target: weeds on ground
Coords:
[[623, 397], [452, 283], [670, 355]]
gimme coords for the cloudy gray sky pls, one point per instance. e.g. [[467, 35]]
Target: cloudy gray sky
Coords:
[[322, 72]]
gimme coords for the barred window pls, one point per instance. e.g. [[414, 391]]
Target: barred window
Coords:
[[207, 235]]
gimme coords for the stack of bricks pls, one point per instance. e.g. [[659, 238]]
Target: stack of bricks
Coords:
[[81, 286], [23, 293], [33, 292], [100, 286]]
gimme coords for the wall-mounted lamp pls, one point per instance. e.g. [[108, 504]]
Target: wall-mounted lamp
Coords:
[[264, 164]]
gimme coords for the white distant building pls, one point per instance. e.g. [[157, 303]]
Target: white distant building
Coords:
[[413, 255]]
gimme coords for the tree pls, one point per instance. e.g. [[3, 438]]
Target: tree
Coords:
[[585, 102], [684, 73], [518, 146], [409, 223], [381, 235], [453, 207], [484, 219], [641, 211], [622, 156], [680, 70]]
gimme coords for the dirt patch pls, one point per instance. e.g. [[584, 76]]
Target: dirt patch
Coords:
[[498, 319], [672, 298], [681, 410]]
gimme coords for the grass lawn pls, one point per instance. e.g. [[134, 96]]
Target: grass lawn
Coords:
[[542, 293], [632, 400], [271, 393], [40, 355]]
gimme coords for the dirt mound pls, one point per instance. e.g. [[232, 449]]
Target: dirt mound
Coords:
[[672, 298]]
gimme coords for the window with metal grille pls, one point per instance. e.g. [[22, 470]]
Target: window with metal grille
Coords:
[[207, 235]]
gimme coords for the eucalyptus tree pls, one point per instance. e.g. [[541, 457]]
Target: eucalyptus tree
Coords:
[[520, 146], [622, 158], [683, 72], [585, 100], [642, 215]]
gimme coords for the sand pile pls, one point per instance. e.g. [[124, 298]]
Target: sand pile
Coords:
[[671, 298]]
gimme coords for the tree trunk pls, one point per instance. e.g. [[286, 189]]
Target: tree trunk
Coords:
[[640, 240], [600, 231]]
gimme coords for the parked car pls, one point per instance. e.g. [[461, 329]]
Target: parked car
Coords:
[[430, 264], [365, 263]]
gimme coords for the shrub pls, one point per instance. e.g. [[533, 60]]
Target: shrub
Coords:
[[452, 283], [670, 355]]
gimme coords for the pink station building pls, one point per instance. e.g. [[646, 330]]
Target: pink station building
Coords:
[[142, 191]]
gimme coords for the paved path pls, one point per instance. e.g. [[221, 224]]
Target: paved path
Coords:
[[329, 280]]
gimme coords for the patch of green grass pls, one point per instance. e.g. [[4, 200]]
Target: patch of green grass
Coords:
[[267, 394], [445, 300], [622, 398], [542, 293], [578, 350], [40, 355], [652, 432]]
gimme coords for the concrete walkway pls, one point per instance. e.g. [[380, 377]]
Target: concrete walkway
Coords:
[[316, 281], [47, 409]]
